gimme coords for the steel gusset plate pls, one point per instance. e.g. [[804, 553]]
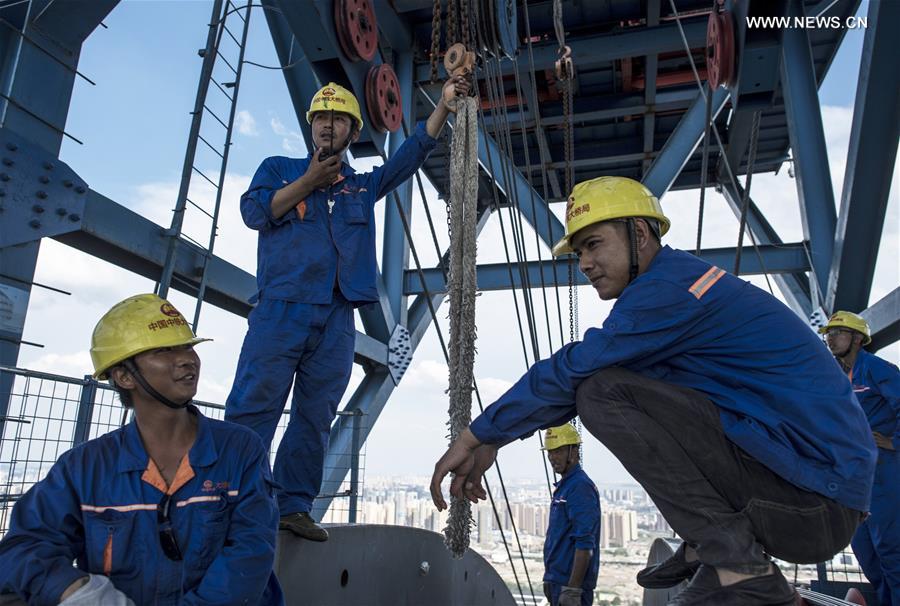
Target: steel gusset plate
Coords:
[[720, 49], [383, 99], [506, 27], [357, 28]]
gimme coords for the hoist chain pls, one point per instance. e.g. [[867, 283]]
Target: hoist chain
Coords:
[[435, 39], [452, 38]]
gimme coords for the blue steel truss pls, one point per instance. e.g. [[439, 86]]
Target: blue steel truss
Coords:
[[638, 112]]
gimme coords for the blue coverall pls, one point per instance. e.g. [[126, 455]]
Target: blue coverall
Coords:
[[574, 524], [876, 543], [98, 508], [314, 265], [691, 324]]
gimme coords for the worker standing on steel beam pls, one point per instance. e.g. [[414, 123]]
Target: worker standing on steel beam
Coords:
[[716, 398], [572, 546], [315, 264], [876, 383], [172, 508]]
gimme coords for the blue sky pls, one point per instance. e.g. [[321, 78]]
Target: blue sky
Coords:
[[134, 124]]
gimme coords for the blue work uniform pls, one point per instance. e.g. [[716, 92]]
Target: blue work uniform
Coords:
[[314, 265], [876, 543], [574, 524], [781, 397], [98, 508]]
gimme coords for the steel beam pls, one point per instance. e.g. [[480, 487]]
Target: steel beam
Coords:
[[884, 320], [608, 107], [590, 51], [794, 287], [37, 75], [115, 234], [651, 63], [807, 138], [395, 255], [782, 259], [870, 164], [682, 142]]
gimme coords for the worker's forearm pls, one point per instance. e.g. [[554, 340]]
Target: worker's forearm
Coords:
[[436, 120], [580, 564], [290, 196]]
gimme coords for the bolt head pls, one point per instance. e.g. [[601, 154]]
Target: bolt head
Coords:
[[67, 183], [62, 212], [41, 194], [34, 223], [48, 165], [8, 162], [37, 208], [44, 179], [12, 146], [73, 218], [80, 189]]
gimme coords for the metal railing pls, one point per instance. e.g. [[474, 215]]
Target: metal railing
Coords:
[[47, 414]]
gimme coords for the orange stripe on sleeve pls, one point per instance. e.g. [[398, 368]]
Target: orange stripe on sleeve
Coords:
[[705, 282], [108, 555]]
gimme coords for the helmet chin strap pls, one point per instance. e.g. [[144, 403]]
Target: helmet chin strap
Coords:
[[632, 237], [131, 367]]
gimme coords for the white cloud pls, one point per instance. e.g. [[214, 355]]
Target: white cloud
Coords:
[[246, 123], [292, 141]]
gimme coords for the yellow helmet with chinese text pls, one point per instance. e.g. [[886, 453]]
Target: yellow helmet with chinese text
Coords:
[[564, 435], [605, 199], [846, 319], [335, 97], [135, 325]]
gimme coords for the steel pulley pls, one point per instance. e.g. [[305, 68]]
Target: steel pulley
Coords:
[[383, 100], [720, 49], [506, 24], [357, 28], [458, 62]]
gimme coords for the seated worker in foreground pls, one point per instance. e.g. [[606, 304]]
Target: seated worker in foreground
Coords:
[[572, 545], [717, 398], [876, 383], [173, 508]]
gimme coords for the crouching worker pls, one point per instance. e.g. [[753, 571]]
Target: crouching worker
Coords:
[[173, 508], [717, 398], [572, 546]]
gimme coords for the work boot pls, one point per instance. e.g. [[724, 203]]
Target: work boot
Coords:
[[705, 590], [302, 525], [669, 572]]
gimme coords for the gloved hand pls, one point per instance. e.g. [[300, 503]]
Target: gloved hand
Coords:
[[570, 596], [98, 591]]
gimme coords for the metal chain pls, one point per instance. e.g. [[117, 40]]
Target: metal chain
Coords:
[[464, 15], [452, 38], [435, 39], [569, 177]]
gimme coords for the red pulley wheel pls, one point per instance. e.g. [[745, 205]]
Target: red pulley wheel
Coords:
[[383, 100], [357, 28], [720, 59]]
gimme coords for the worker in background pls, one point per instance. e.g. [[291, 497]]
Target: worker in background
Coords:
[[876, 384], [572, 546], [717, 398], [173, 508], [315, 264]]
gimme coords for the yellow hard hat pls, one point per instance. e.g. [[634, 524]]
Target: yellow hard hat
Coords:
[[335, 97], [564, 435], [606, 198], [137, 324], [846, 319]]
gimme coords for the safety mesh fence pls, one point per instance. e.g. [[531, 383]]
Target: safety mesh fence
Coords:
[[42, 415]]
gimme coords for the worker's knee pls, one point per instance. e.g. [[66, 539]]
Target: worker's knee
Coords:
[[598, 392]]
